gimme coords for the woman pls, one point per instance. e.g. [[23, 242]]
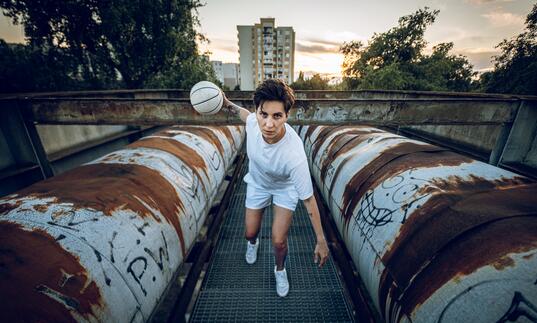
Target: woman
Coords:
[[278, 171]]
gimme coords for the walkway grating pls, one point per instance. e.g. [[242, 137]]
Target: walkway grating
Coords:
[[234, 291]]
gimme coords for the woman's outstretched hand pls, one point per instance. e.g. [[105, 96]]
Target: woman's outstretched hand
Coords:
[[320, 255], [226, 104]]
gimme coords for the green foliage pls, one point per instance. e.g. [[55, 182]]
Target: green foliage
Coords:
[[184, 73], [394, 60], [29, 69], [130, 43], [316, 82], [515, 68]]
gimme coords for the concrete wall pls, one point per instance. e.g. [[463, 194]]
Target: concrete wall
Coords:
[[57, 138], [479, 138]]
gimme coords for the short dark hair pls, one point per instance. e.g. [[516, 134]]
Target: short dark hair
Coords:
[[274, 90]]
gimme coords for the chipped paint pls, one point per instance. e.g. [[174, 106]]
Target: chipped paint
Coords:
[[102, 242], [435, 235], [27, 279]]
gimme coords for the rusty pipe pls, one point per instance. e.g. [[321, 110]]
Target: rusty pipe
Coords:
[[436, 236], [101, 242]]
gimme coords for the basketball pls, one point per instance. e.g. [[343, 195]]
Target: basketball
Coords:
[[206, 97]]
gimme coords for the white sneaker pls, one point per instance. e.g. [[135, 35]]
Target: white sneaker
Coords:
[[251, 251], [282, 284]]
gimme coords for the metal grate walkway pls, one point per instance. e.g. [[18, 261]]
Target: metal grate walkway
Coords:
[[234, 291]]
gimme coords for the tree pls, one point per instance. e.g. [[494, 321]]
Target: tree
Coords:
[[183, 73], [316, 82], [130, 40], [395, 60], [28, 69], [515, 68]]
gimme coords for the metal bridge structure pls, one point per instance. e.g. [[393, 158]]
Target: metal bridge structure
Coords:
[[122, 206]]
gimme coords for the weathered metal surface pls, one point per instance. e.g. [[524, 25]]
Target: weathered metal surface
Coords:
[[408, 111], [436, 236], [300, 94], [101, 242]]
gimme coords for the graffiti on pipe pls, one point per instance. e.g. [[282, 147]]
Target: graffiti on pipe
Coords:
[[102, 242], [435, 235]]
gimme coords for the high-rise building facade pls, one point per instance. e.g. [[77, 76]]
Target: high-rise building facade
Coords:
[[227, 73], [231, 75], [266, 51], [218, 71]]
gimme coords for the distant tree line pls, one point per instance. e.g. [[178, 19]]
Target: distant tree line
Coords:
[[91, 45], [395, 60], [316, 82]]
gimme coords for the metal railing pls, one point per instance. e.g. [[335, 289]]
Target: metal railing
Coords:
[[511, 121]]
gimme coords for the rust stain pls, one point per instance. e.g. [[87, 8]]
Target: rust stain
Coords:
[[455, 233], [503, 263], [7, 207], [59, 213], [225, 130], [360, 139], [345, 143], [205, 133], [23, 296], [325, 132], [336, 144], [456, 183], [41, 208], [341, 144], [310, 131], [107, 187], [186, 154], [393, 161]]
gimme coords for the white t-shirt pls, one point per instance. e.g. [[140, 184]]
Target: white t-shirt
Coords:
[[277, 166]]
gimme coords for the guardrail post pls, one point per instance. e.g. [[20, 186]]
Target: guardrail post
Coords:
[[521, 142], [496, 153], [35, 140]]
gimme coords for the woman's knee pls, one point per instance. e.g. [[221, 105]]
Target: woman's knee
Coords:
[[250, 234], [279, 243]]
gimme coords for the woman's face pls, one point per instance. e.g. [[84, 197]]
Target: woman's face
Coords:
[[271, 118]]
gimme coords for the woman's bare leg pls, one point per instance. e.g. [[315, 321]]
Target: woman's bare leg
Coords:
[[280, 229], [252, 223]]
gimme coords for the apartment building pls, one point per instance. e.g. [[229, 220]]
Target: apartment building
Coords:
[[227, 73], [218, 71], [231, 73], [265, 51]]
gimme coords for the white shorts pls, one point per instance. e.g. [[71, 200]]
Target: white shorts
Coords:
[[258, 198]]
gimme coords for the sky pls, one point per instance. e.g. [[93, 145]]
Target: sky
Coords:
[[474, 26]]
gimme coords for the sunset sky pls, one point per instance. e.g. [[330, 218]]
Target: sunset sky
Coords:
[[474, 26]]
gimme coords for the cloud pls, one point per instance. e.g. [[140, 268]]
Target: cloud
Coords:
[[320, 63], [9, 32], [480, 58], [310, 47], [481, 2], [328, 37], [324, 42], [504, 19], [328, 42], [229, 45]]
